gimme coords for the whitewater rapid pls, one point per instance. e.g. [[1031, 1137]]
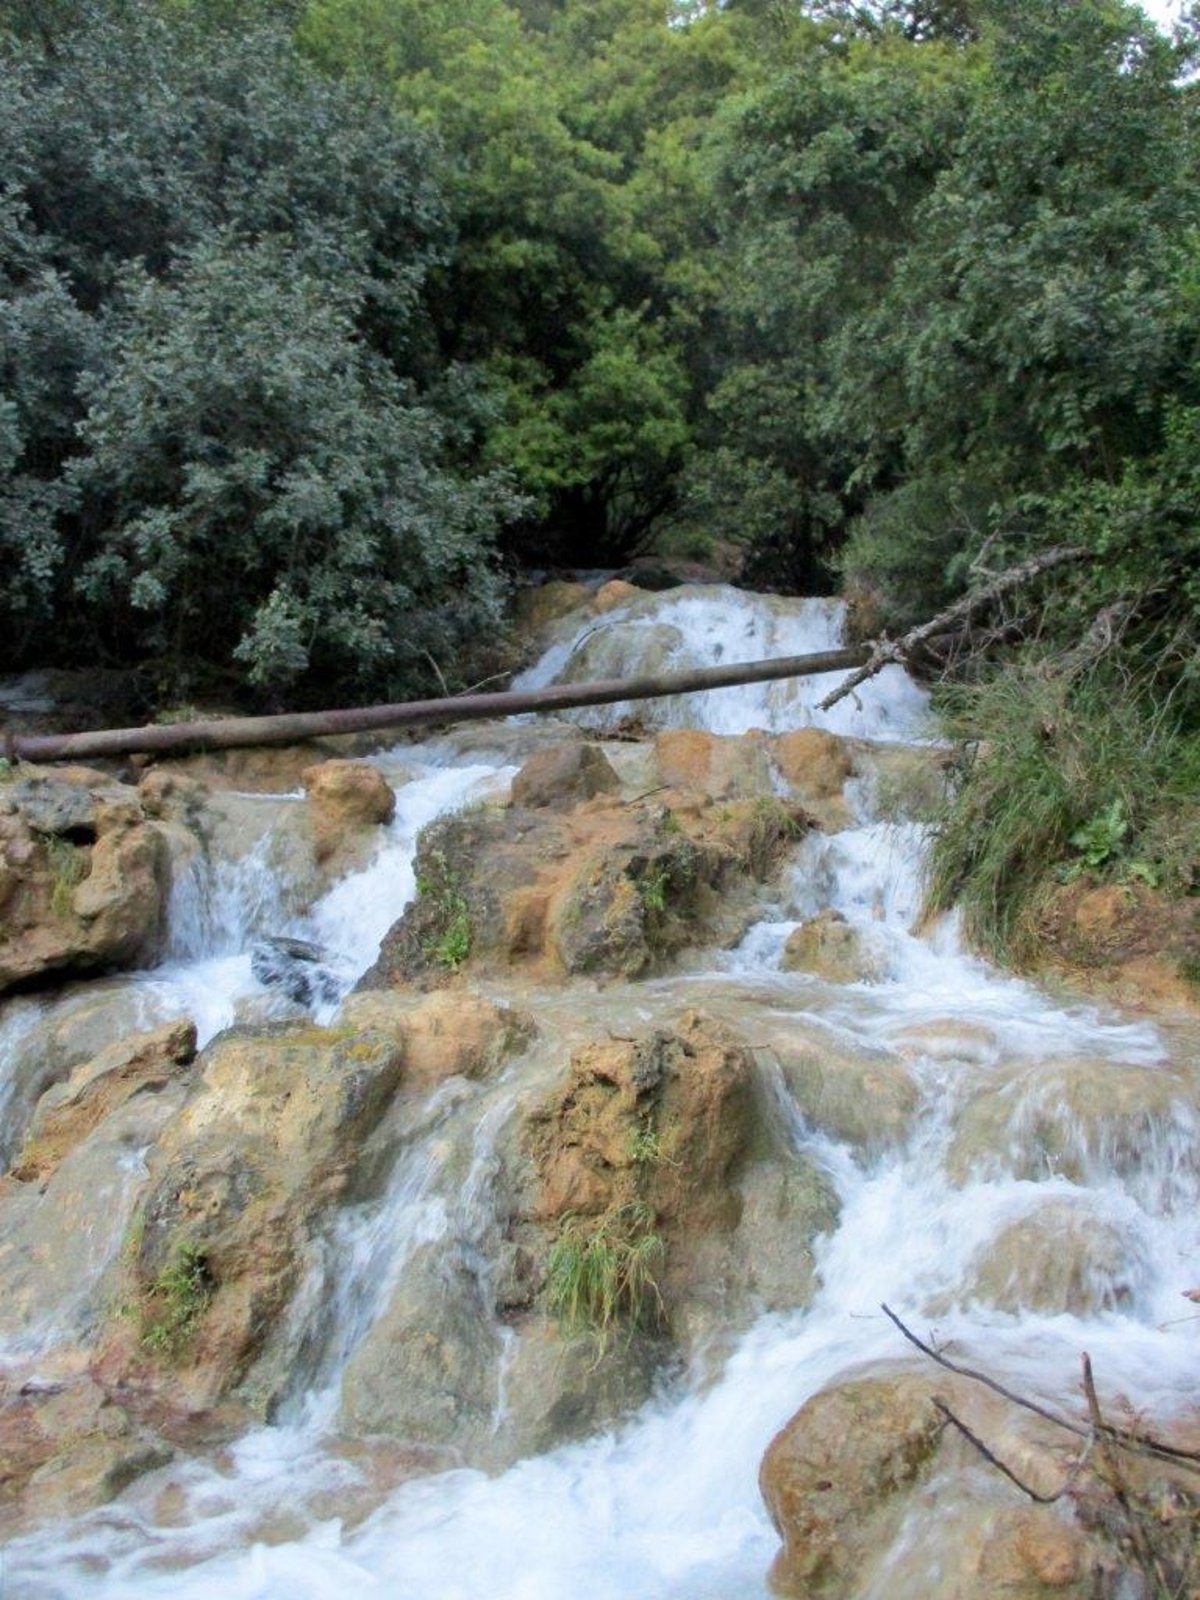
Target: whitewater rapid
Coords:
[[666, 1507]]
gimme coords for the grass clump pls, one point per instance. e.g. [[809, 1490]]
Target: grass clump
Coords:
[[600, 1275], [176, 1301], [441, 895], [68, 866], [1059, 779]]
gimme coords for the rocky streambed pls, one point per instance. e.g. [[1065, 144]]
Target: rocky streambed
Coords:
[[459, 1172]]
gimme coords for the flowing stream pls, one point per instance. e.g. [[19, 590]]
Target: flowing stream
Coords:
[[666, 1507]]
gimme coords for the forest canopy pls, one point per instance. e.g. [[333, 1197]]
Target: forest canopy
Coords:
[[321, 321]]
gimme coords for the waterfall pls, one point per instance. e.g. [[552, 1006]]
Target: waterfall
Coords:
[[666, 1507]]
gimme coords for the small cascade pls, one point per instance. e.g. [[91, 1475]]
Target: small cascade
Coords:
[[711, 626], [1049, 1142]]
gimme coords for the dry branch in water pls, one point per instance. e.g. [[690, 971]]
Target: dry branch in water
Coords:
[[885, 651], [1156, 1531]]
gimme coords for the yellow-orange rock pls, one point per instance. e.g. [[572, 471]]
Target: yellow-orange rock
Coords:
[[345, 797]]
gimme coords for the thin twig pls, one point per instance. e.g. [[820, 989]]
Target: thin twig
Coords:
[[982, 1377], [1115, 1479], [886, 651], [995, 1461], [1138, 1443]]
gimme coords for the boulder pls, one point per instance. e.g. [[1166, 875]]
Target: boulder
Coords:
[[616, 592], [659, 1138], [836, 1479], [298, 968], [873, 1495], [61, 1235], [560, 1386], [266, 1143], [564, 775], [67, 1446], [715, 765], [83, 880], [428, 1369], [44, 1041], [68, 1112], [830, 948], [1061, 1259], [536, 608], [856, 1095], [442, 1034], [345, 798], [605, 889], [1082, 1118], [816, 765]]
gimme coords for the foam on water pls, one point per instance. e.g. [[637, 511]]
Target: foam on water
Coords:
[[667, 1507], [693, 627]]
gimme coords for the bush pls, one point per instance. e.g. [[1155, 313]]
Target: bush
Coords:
[[1058, 778]]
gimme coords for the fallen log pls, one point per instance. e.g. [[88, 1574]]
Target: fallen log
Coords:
[[292, 727]]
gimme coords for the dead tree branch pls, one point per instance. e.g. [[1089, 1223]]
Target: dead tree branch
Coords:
[[1123, 1438], [885, 651], [994, 1460], [233, 732]]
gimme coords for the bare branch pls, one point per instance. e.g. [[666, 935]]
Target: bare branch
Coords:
[[1138, 1443], [886, 651], [982, 1377], [995, 1461]]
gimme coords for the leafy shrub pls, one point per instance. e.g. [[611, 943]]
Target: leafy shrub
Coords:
[[1059, 778]]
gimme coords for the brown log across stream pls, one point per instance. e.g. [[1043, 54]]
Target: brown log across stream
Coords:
[[291, 727]]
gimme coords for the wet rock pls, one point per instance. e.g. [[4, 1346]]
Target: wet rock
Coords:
[[564, 775], [51, 806], [68, 1112], [873, 1497], [265, 1144], [831, 948], [299, 969], [538, 607], [1081, 1118], [84, 881], [835, 1481], [442, 1034], [814, 763], [65, 1448], [712, 764], [662, 1135], [346, 798], [856, 1095], [605, 889], [616, 592], [1060, 1259], [61, 1238], [427, 1370], [560, 1387], [46, 1041]]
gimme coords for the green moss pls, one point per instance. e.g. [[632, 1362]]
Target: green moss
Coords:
[[176, 1301], [69, 866]]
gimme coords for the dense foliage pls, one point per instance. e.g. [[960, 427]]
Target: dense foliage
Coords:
[[227, 433], [318, 314]]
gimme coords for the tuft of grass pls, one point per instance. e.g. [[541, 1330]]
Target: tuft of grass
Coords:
[[69, 865], [176, 1301], [601, 1272], [1057, 780], [652, 887], [450, 946]]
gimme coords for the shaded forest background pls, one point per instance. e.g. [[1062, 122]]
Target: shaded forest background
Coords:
[[320, 322]]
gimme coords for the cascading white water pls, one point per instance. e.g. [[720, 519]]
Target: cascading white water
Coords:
[[667, 1508], [695, 627]]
